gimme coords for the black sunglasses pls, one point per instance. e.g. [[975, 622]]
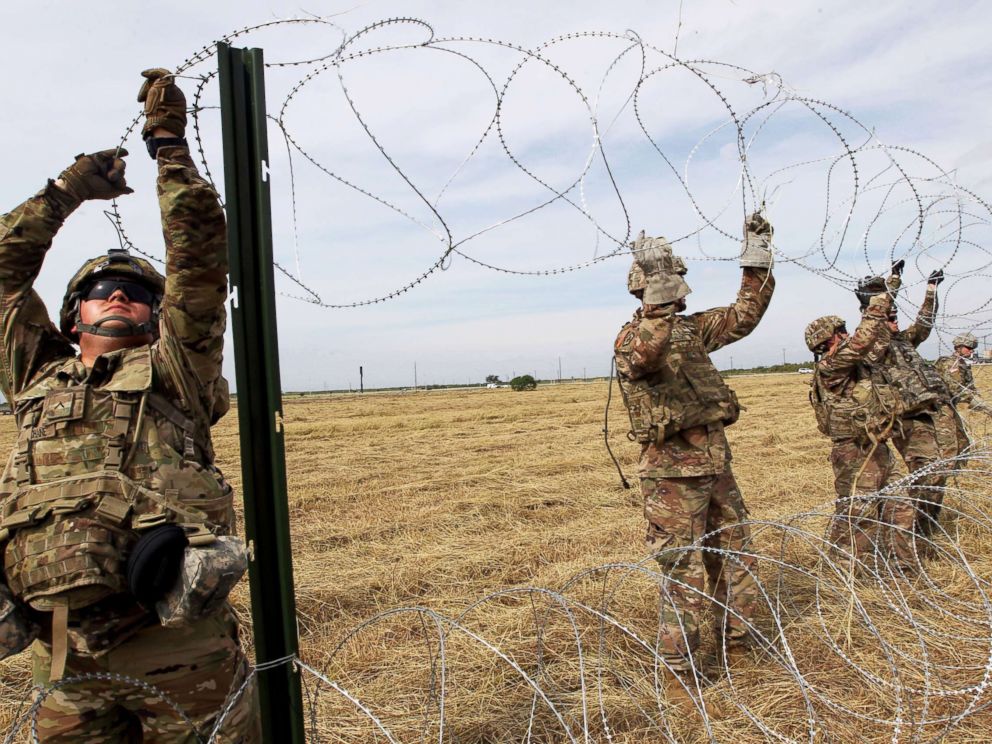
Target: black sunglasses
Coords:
[[104, 288]]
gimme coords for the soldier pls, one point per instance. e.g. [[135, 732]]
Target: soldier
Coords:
[[854, 406], [116, 523], [678, 406], [956, 371], [929, 429]]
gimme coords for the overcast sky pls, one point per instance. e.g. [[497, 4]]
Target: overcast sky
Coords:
[[912, 77]]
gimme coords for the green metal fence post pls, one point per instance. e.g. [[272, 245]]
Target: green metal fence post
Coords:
[[256, 355]]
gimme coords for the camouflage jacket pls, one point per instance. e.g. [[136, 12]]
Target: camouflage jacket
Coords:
[[920, 386], [920, 329], [666, 355], [843, 375], [956, 371], [179, 374]]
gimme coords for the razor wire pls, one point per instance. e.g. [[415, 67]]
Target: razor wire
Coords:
[[881, 201], [589, 664], [846, 642]]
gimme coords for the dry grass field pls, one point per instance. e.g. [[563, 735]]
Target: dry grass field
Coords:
[[467, 503]]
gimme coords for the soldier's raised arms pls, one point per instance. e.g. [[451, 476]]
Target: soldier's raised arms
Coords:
[[720, 326], [919, 330], [29, 339], [131, 574]]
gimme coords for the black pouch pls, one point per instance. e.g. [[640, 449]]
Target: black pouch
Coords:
[[153, 565]]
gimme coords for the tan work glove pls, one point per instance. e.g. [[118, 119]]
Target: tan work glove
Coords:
[[165, 104], [756, 252], [99, 175]]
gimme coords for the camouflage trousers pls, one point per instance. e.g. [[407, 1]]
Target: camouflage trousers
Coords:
[[921, 443], [195, 666], [680, 511], [864, 521]]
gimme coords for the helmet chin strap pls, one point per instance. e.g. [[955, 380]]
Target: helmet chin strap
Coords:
[[131, 329]]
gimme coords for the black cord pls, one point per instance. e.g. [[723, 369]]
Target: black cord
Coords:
[[606, 425]]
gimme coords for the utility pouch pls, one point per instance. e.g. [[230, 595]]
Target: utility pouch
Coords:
[[207, 575]]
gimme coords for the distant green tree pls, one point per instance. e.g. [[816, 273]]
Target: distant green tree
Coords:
[[523, 382], [492, 379]]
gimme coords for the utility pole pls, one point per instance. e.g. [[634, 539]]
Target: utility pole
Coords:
[[783, 355], [732, 361], [559, 369], [414, 375], [361, 379], [256, 356]]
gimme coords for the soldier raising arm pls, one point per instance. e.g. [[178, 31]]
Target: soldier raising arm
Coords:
[[678, 406], [843, 392], [115, 520]]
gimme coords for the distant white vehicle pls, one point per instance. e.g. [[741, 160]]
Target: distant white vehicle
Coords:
[[805, 370], [492, 385]]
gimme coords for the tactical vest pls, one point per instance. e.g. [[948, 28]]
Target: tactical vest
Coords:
[[866, 414], [94, 466], [686, 391], [917, 383]]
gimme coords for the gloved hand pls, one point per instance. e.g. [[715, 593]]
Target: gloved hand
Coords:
[[936, 277], [99, 175], [895, 279], [654, 255], [756, 250], [17, 631], [165, 104], [208, 574]]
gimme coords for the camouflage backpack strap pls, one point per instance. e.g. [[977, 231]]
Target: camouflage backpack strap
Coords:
[[192, 436], [23, 465], [123, 412]]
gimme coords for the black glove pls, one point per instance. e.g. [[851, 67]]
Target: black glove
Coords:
[[898, 266], [936, 277], [99, 175]]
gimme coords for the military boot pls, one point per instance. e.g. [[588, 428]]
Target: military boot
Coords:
[[682, 694]]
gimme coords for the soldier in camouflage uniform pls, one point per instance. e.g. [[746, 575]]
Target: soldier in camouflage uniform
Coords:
[[679, 406], [929, 429], [115, 524], [956, 371], [855, 407]]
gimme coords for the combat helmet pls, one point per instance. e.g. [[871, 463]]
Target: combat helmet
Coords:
[[821, 330], [967, 340], [663, 271], [116, 262]]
